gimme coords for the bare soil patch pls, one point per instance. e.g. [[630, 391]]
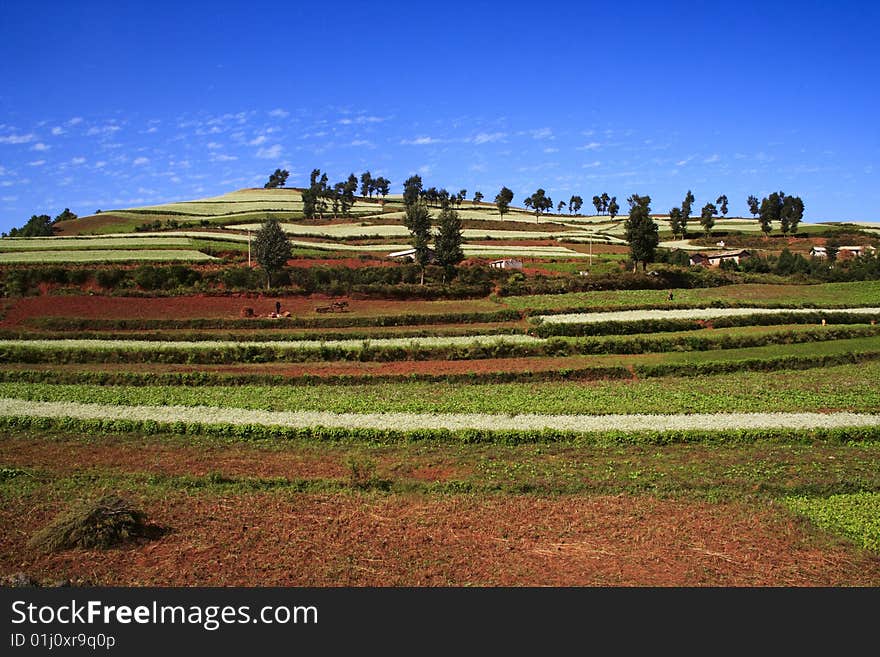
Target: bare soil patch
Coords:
[[368, 540], [219, 307]]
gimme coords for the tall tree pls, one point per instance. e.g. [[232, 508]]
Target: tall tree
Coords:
[[447, 245], [707, 218], [642, 233], [770, 211], [367, 184], [383, 186], [613, 208], [418, 221], [412, 190], [560, 207], [832, 248], [349, 189], [754, 206], [675, 221], [64, 215], [791, 214], [478, 196], [597, 203], [539, 202], [503, 200], [722, 204], [605, 200], [686, 206], [574, 204], [277, 179], [315, 197], [271, 248]]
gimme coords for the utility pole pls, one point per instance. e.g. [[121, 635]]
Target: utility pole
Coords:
[[249, 248]]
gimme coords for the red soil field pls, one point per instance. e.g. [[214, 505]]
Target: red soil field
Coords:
[[224, 307], [287, 539]]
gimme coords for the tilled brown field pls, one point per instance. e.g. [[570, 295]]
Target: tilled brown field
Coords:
[[377, 540], [227, 534]]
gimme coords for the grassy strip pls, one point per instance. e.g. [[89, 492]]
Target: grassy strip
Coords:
[[856, 515], [839, 435], [628, 327], [859, 293], [842, 387], [565, 374], [374, 352]]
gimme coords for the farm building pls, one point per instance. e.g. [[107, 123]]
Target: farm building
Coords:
[[506, 263], [715, 259], [843, 252], [409, 255]]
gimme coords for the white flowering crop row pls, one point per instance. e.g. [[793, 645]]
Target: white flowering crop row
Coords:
[[282, 345], [103, 255], [449, 421], [688, 313]]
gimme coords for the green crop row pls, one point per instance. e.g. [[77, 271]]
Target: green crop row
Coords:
[[595, 373], [366, 352], [840, 387]]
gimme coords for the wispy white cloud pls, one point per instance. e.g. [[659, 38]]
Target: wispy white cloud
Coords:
[[40, 146], [270, 153], [279, 113], [140, 161], [102, 130], [222, 157], [712, 158], [551, 150], [17, 139], [593, 145], [362, 142], [360, 120], [77, 161], [57, 130], [421, 141], [76, 120], [591, 165], [488, 137], [37, 163], [256, 141], [542, 133], [213, 145]]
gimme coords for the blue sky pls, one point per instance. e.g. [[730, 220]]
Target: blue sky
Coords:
[[107, 105]]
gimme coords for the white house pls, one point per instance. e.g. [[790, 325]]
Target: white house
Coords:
[[409, 255], [715, 259], [506, 263], [843, 251]]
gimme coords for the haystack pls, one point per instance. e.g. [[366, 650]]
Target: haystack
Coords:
[[102, 523]]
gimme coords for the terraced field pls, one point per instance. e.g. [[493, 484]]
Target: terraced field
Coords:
[[730, 436]]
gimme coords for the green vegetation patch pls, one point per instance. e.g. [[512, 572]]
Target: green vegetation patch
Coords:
[[855, 516], [846, 387]]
